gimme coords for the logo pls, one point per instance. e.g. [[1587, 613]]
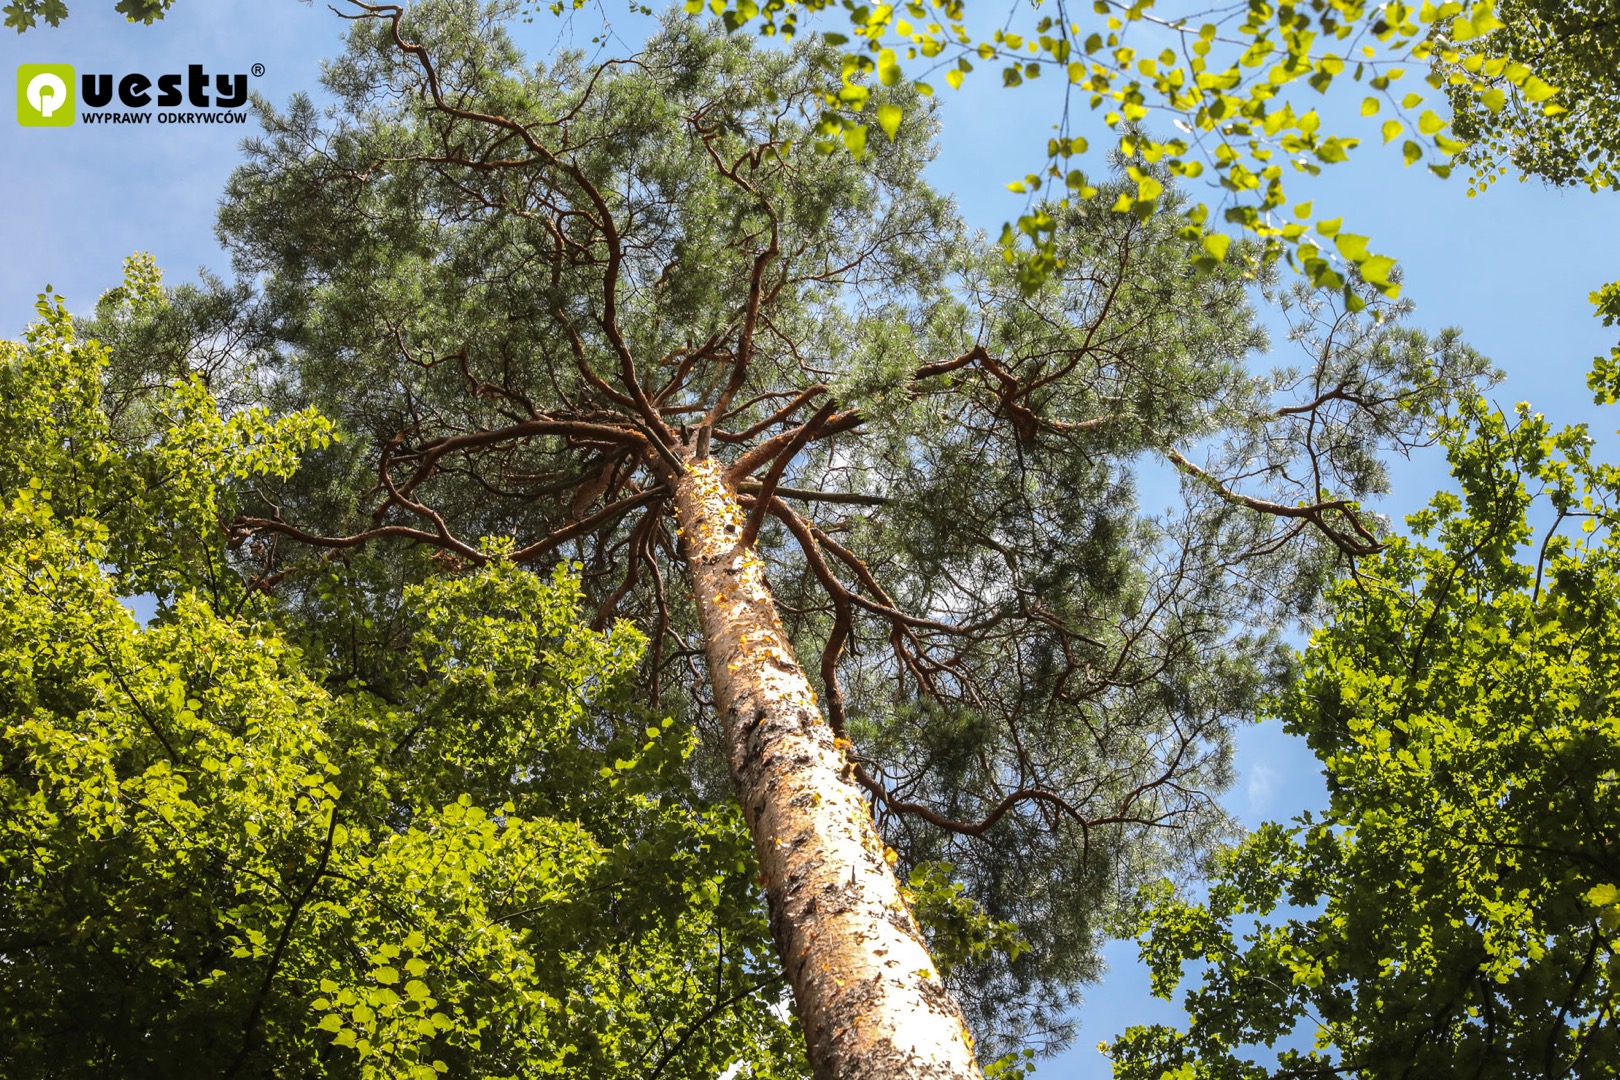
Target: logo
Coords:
[[50, 95], [45, 95]]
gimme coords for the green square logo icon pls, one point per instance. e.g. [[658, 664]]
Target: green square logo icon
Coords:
[[45, 95]]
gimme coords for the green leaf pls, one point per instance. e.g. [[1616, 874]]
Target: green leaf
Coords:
[[855, 138], [1375, 269], [888, 68], [888, 117], [1603, 895], [1352, 247], [1534, 89]]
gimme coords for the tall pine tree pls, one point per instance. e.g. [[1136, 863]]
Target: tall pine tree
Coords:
[[776, 403]]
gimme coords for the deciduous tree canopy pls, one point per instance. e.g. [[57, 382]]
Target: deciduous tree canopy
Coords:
[[1454, 912], [222, 855], [1575, 46]]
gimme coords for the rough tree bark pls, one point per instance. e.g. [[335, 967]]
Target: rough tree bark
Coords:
[[871, 1003]]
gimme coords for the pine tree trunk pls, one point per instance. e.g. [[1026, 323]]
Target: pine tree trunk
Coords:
[[868, 997]]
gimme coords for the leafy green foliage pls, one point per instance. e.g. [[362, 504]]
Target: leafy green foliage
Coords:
[[1565, 139], [222, 853], [1453, 913], [958, 929], [1240, 86], [158, 510], [25, 14]]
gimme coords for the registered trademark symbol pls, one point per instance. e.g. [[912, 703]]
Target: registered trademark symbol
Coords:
[[257, 69]]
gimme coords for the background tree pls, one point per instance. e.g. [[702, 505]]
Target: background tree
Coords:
[[1575, 46], [630, 316], [220, 855], [1454, 912]]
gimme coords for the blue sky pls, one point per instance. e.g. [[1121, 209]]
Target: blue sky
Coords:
[[1512, 267]]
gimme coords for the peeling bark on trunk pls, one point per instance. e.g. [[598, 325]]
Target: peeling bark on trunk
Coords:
[[871, 1003]]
